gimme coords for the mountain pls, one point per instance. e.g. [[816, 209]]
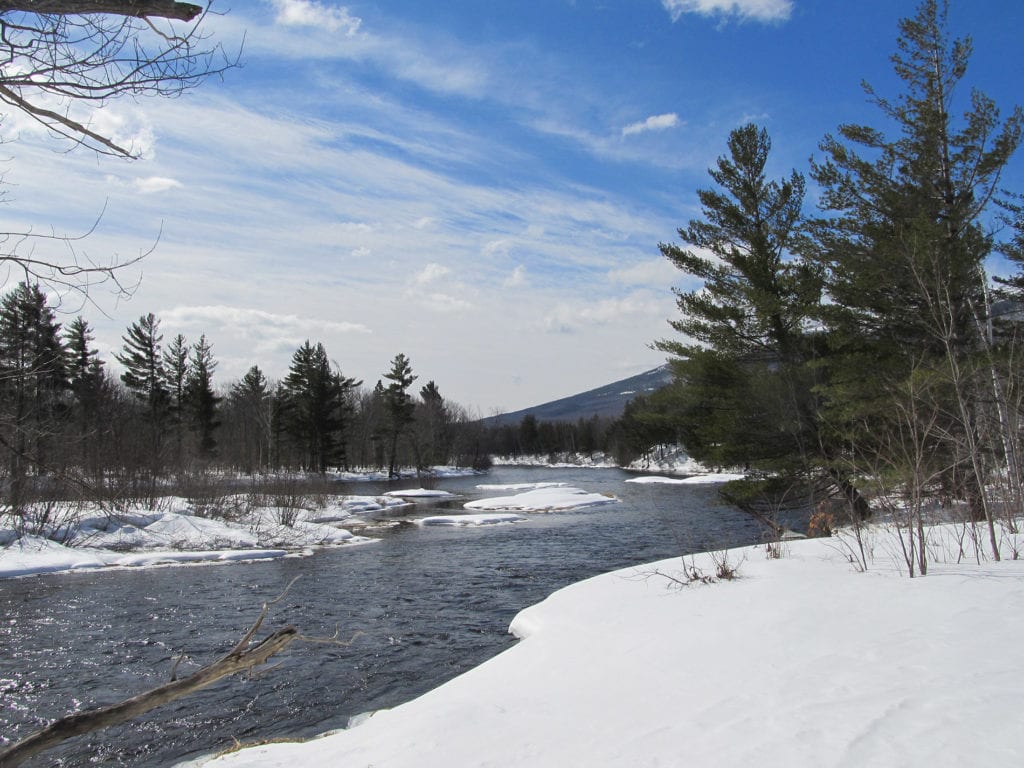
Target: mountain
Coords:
[[608, 401]]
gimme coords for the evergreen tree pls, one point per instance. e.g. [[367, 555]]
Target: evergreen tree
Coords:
[[145, 378], [88, 383], [252, 397], [33, 380], [315, 401], [903, 250], [201, 400], [745, 391], [176, 369], [433, 427], [84, 365], [144, 374], [400, 406]]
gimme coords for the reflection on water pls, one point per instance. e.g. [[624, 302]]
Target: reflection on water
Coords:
[[427, 604]]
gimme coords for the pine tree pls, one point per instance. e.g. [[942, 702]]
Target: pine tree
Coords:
[[87, 380], [744, 393], [903, 252], [145, 378], [33, 380], [144, 373], [201, 400], [252, 398], [434, 443], [400, 406], [176, 368], [316, 404]]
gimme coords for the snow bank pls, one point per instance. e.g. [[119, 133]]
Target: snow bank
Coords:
[[518, 486], [88, 539], [33, 555], [419, 493], [800, 662], [704, 479], [479, 519], [552, 499]]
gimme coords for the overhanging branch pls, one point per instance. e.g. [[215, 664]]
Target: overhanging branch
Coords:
[[164, 9]]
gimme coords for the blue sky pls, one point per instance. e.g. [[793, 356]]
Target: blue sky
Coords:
[[481, 186]]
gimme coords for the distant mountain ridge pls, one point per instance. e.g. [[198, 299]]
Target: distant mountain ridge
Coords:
[[608, 401]]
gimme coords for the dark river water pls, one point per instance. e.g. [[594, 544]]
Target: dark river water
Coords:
[[427, 603]]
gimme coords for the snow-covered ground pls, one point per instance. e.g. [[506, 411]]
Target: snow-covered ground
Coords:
[[419, 493], [88, 537], [471, 520], [552, 498], [800, 661], [705, 479]]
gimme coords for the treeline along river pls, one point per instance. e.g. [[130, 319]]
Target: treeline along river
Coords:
[[423, 604]]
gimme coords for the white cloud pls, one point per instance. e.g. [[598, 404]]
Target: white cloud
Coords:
[[756, 10], [653, 123], [430, 273], [306, 13], [517, 279], [566, 318], [447, 304], [424, 222], [154, 184], [658, 272]]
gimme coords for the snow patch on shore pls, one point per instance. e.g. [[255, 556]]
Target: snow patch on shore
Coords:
[[801, 662], [551, 499]]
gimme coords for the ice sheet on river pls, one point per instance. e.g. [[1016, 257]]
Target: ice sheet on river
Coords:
[[552, 499]]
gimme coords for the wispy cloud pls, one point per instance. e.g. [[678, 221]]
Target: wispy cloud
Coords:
[[652, 123], [754, 10], [253, 323]]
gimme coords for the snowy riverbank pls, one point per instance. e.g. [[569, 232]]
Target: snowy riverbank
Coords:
[[244, 527], [801, 661]]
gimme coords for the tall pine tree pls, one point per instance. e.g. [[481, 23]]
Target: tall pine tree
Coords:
[[744, 392], [903, 249], [33, 381]]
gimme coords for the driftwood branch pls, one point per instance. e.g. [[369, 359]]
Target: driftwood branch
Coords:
[[242, 658], [164, 9]]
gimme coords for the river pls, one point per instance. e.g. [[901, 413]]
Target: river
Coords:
[[423, 605]]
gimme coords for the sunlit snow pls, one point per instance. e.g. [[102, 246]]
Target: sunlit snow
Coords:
[[419, 493], [552, 499], [801, 662], [708, 478], [478, 519]]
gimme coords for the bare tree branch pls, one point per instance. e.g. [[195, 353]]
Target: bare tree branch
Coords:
[[165, 9]]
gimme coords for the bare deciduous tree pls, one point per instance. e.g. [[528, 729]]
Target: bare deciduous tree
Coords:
[[60, 60]]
